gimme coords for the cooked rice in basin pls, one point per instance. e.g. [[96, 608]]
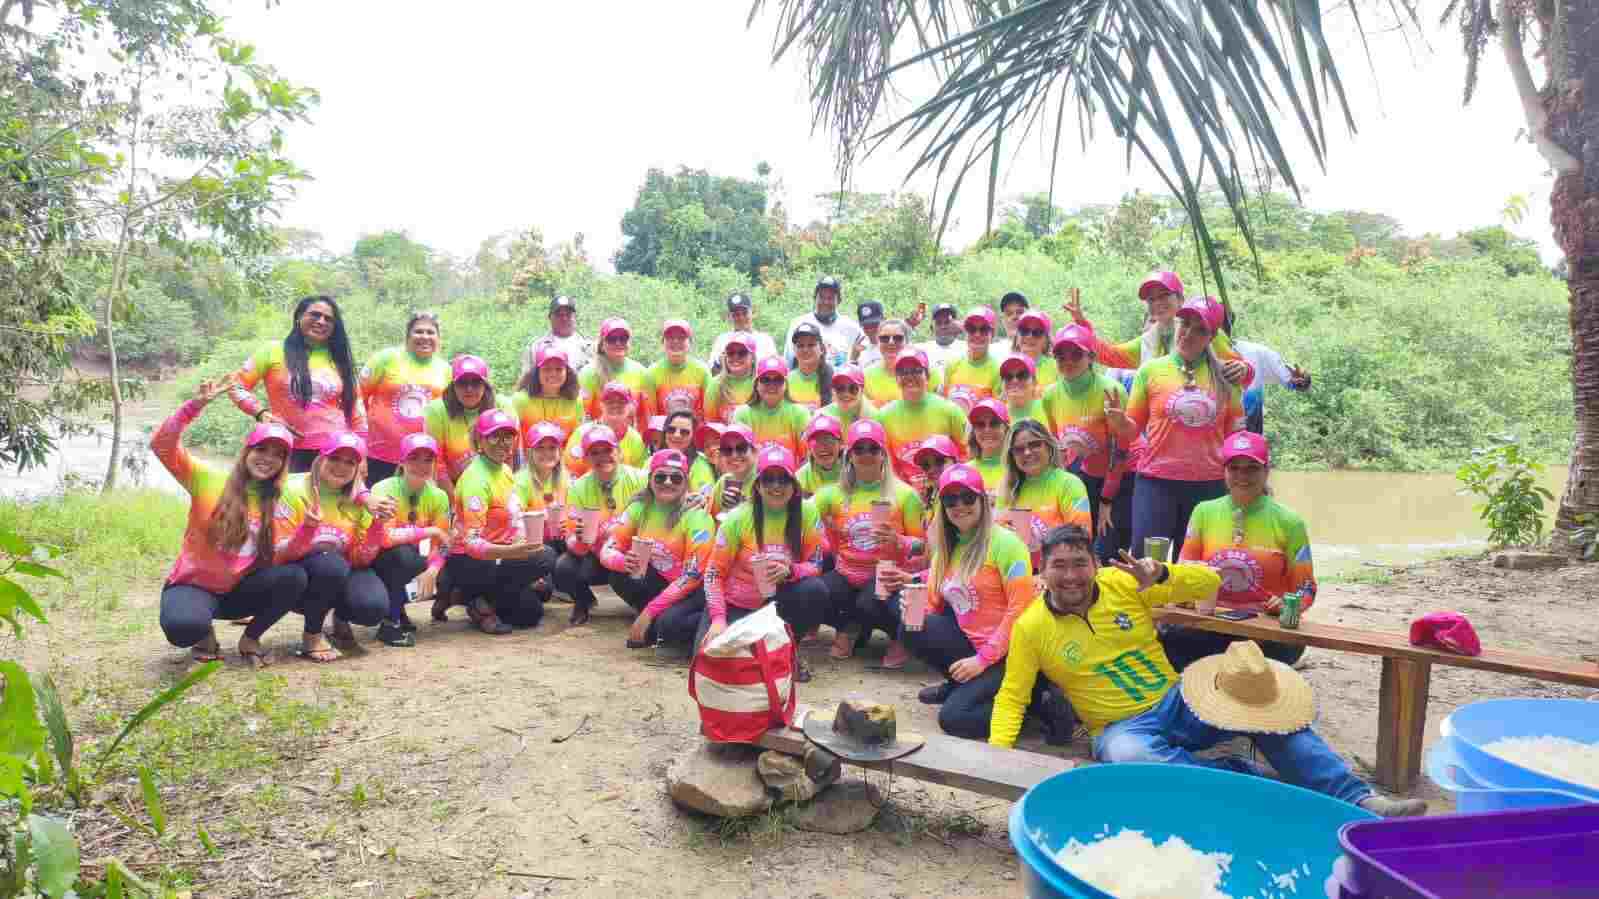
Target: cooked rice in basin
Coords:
[[1560, 757]]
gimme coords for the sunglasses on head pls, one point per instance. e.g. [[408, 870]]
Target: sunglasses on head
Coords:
[[666, 478], [1010, 376], [1031, 332], [775, 479], [960, 498]]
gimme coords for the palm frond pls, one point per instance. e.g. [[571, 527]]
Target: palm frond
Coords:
[[1190, 85]]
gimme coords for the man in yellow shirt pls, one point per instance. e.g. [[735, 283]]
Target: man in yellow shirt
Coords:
[[1093, 635]]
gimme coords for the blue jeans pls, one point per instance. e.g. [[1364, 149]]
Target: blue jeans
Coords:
[[1161, 508], [1170, 732]]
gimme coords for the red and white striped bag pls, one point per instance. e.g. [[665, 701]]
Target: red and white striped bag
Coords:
[[743, 680]]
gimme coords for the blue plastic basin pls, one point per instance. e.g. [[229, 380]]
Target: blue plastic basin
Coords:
[[1254, 818], [1479, 723], [1472, 792]]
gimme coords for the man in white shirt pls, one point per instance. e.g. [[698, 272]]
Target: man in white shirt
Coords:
[[946, 344], [563, 334], [1269, 369], [839, 332], [741, 314]]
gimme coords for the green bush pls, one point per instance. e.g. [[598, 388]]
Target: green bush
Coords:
[[1506, 481]]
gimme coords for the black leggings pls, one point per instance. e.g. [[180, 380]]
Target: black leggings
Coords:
[[1161, 508], [576, 576], [941, 643], [1120, 536], [396, 567], [268, 594], [1187, 645], [354, 596], [506, 583], [858, 605], [804, 604], [678, 624]]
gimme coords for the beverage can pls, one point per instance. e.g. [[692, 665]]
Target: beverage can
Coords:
[[1293, 606]]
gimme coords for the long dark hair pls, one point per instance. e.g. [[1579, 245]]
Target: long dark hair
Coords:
[[793, 531], [531, 385], [297, 355], [452, 403], [692, 452]]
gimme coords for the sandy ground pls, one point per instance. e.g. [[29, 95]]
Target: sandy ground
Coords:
[[467, 794]]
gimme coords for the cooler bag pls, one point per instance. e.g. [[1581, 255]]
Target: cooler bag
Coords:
[[743, 681]]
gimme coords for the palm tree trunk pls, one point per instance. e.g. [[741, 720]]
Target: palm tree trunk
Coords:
[[1574, 210]]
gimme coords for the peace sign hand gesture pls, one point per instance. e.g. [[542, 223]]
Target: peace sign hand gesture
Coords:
[[312, 516], [210, 390], [1074, 306], [1114, 411], [1146, 570]]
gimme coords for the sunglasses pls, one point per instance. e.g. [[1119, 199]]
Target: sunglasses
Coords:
[[667, 478], [775, 480], [987, 423], [601, 452], [1027, 449], [1069, 352], [772, 381], [319, 316], [895, 339], [910, 373], [931, 463], [501, 436], [735, 352], [736, 449], [1009, 377], [978, 329], [960, 498], [1032, 332], [847, 387], [866, 449], [618, 339], [679, 432]]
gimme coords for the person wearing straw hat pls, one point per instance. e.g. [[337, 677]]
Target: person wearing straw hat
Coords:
[[1093, 636]]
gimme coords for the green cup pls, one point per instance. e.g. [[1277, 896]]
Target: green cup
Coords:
[[1288, 618], [1158, 548]]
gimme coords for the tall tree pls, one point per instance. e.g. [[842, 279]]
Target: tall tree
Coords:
[[678, 222], [1197, 90]]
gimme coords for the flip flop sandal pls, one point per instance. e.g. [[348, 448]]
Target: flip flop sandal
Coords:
[[580, 615], [257, 660], [198, 653], [310, 655], [843, 647]]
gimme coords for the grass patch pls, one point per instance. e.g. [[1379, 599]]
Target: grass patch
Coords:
[[1364, 575], [770, 828], [907, 825], [108, 542]]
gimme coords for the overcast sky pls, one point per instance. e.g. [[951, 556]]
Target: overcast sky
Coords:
[[454, 123]]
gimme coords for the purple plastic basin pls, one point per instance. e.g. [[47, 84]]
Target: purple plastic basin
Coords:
[[1550, 853]]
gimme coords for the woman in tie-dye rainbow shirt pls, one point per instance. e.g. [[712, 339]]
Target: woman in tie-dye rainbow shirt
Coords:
[[731, 389], [810, 383], [549, 392], [396, 386], [668, 598], [612, 364], [974, 376], [678, 381], [1032, 341], [988, 427], [775, 420], [226, 566], [421, 513], [1259, 546], [1162, 293], [1074, 410], [451, 418], [1035, 481], [310, 381], [1185, 409], [849, 402], [917, 415], [882, 388]]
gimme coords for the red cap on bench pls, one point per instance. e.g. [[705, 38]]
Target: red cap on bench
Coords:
[[1446, 630]]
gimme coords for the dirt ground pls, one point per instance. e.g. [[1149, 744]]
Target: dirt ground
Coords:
[[439, 775]]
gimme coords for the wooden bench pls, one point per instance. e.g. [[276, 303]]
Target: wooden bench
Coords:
[[946, 760], [1406, 676]]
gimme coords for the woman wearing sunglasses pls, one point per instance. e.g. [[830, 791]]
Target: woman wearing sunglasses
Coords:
[[990, 428], [1038, 495], [598, 496], [334, 540], [775, 419], [736, 449], [677, 433], [678, 382], [849, 402], [611, 365], [422, 512], [1021, 388], [932, 456], [734, 387], [311, 384], [452, 418], [893, 338], [1032, 341], [1074, 410], [1162, 294], [776, 529], [396, 385], [976, 375], [871, 516], [545, 477], [549, 392], [979, 581], [616, 413], [917, 415], [810, 384], [824, 439], [674, 542]]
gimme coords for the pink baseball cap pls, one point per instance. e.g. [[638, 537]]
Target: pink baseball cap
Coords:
[[1037, 318], [1077, 336], [612, 325], [270, 431], [960, 477], [937, 444], [991, 406], [348, 440], [983, 315], [654, 427], [598, 435], [1446, 630], [1206, 309], [1168, 280], [469, 367], [418, 441], [771, 365], [548, 352], [495, 420], [850, 373], [1018, 360], [677, 324], [747, 341], [616, 389], [1246, 444], [915, 356], [823, 424], [545, 430], [775, 457], [668, 458], [866, 430], [707, 431], [737, 433]]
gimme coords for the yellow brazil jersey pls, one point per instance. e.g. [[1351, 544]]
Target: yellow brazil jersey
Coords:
[[1108, 661]]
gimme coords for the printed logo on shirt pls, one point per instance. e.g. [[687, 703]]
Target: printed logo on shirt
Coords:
[[963, 396], [474, 504], [1073, 653], [1192, 408], [1239, 571], [1018, 568], [325, 390], [858, 530], [1079, 441], [959, 596], [1123, 621], [680, 399], [409, 401]]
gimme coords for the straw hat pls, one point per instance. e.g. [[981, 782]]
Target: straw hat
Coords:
[[1242, 690]]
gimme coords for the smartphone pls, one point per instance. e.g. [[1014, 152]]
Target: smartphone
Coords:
[[1235, 614]]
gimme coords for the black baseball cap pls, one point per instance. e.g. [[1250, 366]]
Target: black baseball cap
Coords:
[[870, 312], [805, 329], [942, 308], [562, 302], [738, 301], [1014, 296], [828, 281]]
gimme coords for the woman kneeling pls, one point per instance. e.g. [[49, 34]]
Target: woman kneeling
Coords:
[[656, 554]]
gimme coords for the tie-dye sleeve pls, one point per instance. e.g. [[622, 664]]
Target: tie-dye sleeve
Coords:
[[718, 566], [298, 534], [619, 542], [913, 533], [251, 373], [1008, 557], [697, 527], [1137, 407], [1302, 573], [813, 547], [167, 444]]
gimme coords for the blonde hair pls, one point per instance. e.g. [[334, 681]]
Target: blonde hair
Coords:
[[941, 544], [848, 480]]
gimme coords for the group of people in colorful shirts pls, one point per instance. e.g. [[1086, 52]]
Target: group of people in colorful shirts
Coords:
[[826, 475]]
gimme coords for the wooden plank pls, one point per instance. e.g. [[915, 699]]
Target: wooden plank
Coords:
[[950, 761], [1358, 640], [1402, 713]]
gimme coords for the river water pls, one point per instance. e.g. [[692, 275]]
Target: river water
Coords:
[[1355, 517]]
